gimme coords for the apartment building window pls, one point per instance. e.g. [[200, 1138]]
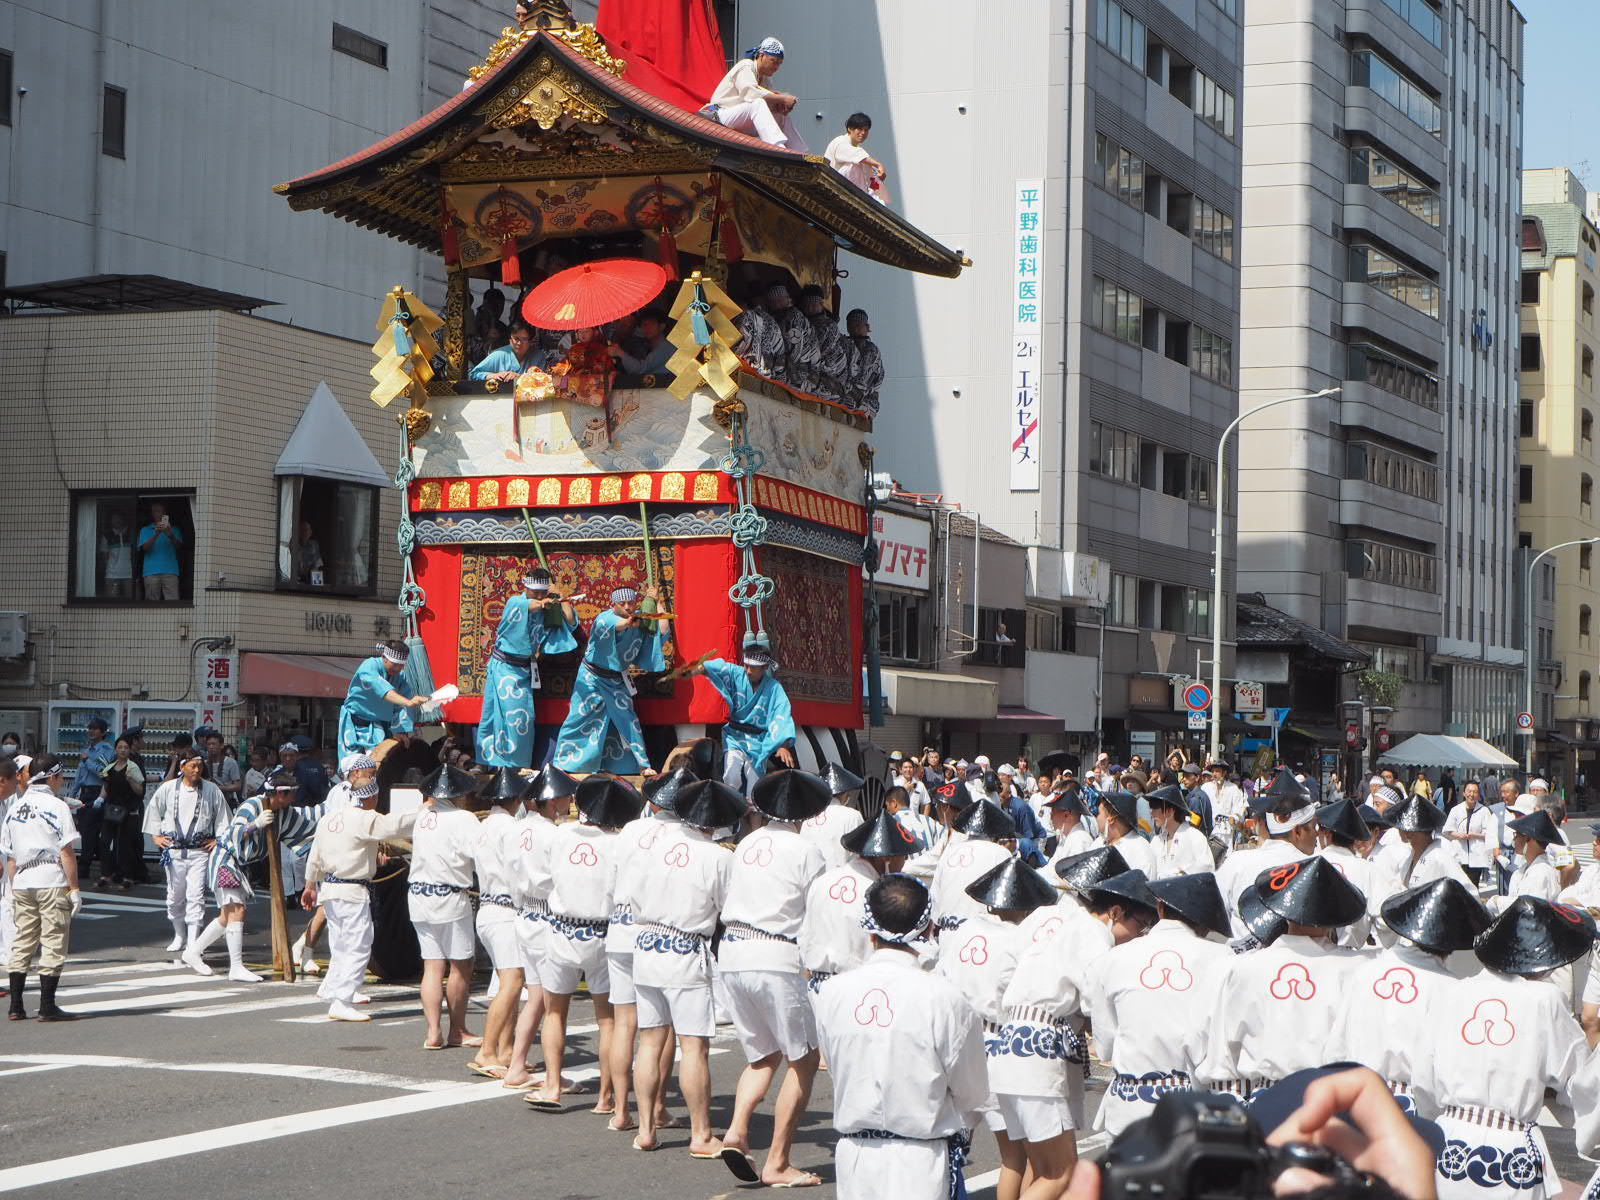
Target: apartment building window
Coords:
[[1396, 566], [1586, 430], [1367, 364], [1117, 311], [1121, 171], [1000, 637], [1371, 70], [1379, 268], [1122, 606], [6, 91], [1211, 355], [114, 122], [1530, 287], [1585, 494], [1525, 419], [1231, 7], [1212, 229], [1584, 619], [1524, 485], [1202, 481], [1120, 32], [1588, 363], [132, 547], [327, 536], [1588, 300], [1214, 104], [1421, 16], [1532, 360], [1396, 184], [1386, 468], [1532, 235], [359, 45], [900, 626], [1585, 559], [1583, 687], [1114, 453]]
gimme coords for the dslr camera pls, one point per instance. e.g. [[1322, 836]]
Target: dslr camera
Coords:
[[1203, 1145]]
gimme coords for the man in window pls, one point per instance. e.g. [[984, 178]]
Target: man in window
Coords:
[[510, 361], [158, 546]]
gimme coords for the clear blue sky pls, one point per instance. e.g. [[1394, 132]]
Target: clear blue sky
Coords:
[[1561, 105]]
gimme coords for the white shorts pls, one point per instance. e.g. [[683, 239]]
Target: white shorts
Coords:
[[872, 1168], [620, 968], [227, 896], [1035, 1118], [446, 939], [566, 961], [499, 938], [1591, 986], [687, 1010], [532, 933], [771, 1010]]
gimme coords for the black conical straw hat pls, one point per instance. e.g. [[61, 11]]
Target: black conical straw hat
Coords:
[[1196, 899], [553, 783], [448, 783], [1311, 891], [663, 790], [1442, 916], [790, 795], [507, 783], [1538, 826], [1084, 870], [985, 819], [1012, 885], [1132, 885], [1533, 936], [841, 781], [709, 804], [1125, 805], [1285, 786], [1264, 925], [881, 837], [1416, 815], [1169, 794], [1344, 820], [607, 801]]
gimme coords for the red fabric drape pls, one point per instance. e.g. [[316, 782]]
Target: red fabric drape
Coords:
[[672, 47]]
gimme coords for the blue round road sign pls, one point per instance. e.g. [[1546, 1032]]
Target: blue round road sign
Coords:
[[1197, 697]]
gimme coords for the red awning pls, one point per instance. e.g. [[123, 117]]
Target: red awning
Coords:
[[295, 674], [1013, 718]]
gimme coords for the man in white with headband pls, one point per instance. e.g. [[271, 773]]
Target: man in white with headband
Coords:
[[907, 1058], [38, 845], [360, 772], [378, 708], [745, 103], [184, 818]]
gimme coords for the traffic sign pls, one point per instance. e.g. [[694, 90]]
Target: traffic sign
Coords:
[[1197, 720], [1197, 698], [1524, 721]]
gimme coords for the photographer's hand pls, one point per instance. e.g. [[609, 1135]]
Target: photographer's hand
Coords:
[[1381, 1141]]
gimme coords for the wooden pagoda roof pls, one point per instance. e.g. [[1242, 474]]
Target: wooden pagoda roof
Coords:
[[535, 77]]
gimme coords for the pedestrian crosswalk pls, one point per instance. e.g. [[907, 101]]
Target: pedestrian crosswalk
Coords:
[[106, 906]]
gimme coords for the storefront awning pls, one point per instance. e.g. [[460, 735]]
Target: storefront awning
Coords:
[[1011, 719], [295, 674], [937, 694]]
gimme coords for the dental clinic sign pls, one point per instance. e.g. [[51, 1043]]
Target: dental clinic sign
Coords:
[[1027, 322]]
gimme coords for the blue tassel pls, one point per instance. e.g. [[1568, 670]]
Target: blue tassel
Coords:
[[697, 315], [402, 338]]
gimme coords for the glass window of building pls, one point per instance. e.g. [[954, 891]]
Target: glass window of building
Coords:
[[1371, 70], [132, 547], [327, 536]]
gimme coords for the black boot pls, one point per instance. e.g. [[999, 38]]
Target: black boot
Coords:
[[48, 1011], [17, 981]]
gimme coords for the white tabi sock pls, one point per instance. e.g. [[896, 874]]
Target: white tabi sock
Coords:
[[177, 934], [194, 934], [235, 935], [210, 934]]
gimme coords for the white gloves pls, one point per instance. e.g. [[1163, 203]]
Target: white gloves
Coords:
[[77, 901], [264, 819]]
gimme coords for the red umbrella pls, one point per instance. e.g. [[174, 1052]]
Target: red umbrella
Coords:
[[593, 293]]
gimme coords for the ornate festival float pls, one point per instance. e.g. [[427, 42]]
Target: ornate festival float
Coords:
[[733, 477]]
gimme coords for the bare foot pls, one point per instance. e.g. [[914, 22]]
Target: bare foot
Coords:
[[790, 1177], [517, 1078], [620, 1124], [710, 1148], [468, 1040], [640, 1142], [665, 1120], [603, 1109]]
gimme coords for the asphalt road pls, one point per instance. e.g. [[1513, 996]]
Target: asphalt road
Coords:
[[172, 1083]]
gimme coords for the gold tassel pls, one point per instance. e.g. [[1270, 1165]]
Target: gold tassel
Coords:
[[397, 374], [715, 365]]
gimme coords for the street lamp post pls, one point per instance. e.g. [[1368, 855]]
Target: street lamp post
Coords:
[[1216, 564], [1527, 644]]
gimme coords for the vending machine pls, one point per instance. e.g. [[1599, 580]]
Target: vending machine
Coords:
[[161, 720], [68, 731]]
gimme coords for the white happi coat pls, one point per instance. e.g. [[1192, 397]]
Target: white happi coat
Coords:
[[1376, 882], [497, 904], [826, 828], [637, 837], [1185, 852], [964, 860], [579, 861], [442, 846], [1151, 1002], [1041, 1040], [1240, 869], [980, 958], [831, 937], [771, 872], [679, 887], [344, 850], [527, 859], [1437, 861], [1138, 853], [1498, 1042], [906, 1058], [1535, 877], [1384, 1024], [1274, 1010]]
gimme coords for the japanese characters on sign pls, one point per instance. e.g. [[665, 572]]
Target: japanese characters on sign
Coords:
[[1027, 312], [219, 679], [904, 556]]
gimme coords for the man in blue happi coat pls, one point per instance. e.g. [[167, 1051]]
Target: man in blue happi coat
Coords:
[[379, 704], [601, 732], [532, 624], [759, 726]]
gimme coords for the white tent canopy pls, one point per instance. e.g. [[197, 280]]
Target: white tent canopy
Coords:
[[1437, 750]]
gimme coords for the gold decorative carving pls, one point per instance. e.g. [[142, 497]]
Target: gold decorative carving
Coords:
[[489, 494], [517, 492], [610, 489], [416, 420], [460, 494], [455, 324], [705, 486], [549, 492], [640, 486], [581, 491], [586, 40], [672, 485], [429, 496]]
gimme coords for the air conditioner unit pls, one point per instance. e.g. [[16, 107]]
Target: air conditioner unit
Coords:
[[13, 634]]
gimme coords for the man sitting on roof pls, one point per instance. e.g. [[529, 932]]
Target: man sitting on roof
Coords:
[[510, 361], [847, 155], [744, 103]]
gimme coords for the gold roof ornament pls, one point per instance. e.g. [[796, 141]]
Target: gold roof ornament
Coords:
[[556, 19]]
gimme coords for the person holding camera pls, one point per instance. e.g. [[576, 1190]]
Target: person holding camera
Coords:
[[160, 542], [1142, 994], [906, 1054]]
